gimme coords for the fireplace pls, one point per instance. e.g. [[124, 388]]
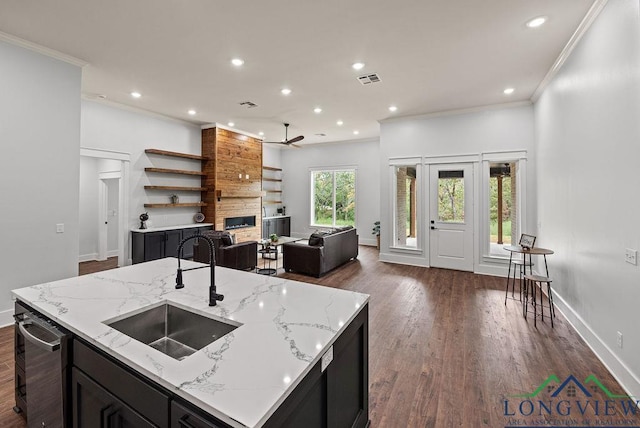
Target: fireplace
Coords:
[[239, 222]]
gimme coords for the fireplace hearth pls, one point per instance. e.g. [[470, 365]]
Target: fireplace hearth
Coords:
[[231, 223]]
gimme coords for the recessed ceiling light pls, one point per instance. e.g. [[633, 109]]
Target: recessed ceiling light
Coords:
[[358, 65], [317, 110], [237, 62], [231, 124], [261, 134], [285, 91], [393, 108], [537, 22], [508, 91], [356, 132], [136, 94], [192, 112], [339, 123]]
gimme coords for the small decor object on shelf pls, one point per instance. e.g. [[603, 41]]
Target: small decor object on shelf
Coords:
[[174, 199], [273, 237], [527, 241], [198, 217], [143, 220]]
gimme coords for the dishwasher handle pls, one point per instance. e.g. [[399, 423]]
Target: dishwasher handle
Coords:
[[42, 344]]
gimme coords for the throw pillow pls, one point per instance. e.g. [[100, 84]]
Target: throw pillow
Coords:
[[226, 239], [317, 238]]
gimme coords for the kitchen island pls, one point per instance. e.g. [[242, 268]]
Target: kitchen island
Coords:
[[299, 352]]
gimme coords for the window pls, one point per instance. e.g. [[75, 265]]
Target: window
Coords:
[[504, 201], [405, 179], [451, 196], [333, 198], [405, 202]]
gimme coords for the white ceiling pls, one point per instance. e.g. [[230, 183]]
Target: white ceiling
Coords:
[[431, 56]]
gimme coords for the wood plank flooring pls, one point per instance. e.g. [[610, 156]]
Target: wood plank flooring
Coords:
[[93, 266], [444, 349]]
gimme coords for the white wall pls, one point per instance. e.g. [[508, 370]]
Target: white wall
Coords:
[[106, 127], [588, 144], [40, 140], [365, 156], [496, 129]]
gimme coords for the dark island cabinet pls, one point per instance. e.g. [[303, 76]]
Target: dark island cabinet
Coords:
[[94, 406], [334, 394], [281, 226], [147, 246], [183, 417]]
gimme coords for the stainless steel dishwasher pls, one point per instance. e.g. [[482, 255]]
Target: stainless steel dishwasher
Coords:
[[46, 361]]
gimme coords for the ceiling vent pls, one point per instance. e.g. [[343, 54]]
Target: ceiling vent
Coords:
[[248, 104], [321, 135], [369, 78]]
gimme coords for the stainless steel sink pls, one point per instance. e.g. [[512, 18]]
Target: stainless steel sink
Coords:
[[172, 330]]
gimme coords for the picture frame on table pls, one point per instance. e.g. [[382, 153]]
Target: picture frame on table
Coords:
[[527, 241]]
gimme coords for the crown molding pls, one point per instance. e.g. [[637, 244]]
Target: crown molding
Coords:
[[14, 40], [585, 24], [455, 112], [114, 104]]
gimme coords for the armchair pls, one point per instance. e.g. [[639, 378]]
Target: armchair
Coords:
[[241, 256]]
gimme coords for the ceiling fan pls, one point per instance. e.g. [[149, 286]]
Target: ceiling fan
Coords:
[[286, 141]]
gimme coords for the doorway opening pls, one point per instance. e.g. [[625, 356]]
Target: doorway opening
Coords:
[[103, 206]]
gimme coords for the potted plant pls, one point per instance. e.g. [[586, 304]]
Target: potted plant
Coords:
[[376, 231], [273, 237]]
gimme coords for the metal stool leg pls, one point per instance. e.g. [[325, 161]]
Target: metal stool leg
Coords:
[[552, 309]]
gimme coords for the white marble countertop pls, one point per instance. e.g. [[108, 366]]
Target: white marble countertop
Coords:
[[181, 226], [274, 216], [241, 378]]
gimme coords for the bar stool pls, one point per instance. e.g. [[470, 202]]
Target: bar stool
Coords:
[[522, 266], [536, 281]]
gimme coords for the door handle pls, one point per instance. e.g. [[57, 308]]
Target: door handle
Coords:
[[42, 344], [183, 422], [433, 228]]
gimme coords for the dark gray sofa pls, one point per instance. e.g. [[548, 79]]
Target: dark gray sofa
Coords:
[[325, 251]]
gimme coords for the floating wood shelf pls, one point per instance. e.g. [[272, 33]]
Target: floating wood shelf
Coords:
[[271, 202], [175, 154], [273, 191], [186, 204], [177, 188], [271, 179], [231, 194], [271, 168], [175, 171]]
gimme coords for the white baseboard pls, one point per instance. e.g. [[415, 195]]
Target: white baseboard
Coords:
[[625, 377], [6, 318], [403, 260], [94, 256], [87, 257]]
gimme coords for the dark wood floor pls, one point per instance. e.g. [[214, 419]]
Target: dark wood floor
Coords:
[[444, 349], [85, 268]]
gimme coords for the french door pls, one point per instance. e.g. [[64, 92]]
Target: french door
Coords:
[[451, 216]]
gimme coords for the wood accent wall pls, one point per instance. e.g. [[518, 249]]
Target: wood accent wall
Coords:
[[232, 156]]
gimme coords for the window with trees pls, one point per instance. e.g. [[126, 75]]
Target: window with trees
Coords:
[[333, 197], [504, 201], [405, 202]]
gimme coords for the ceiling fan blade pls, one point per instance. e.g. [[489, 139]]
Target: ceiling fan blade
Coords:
[[296, 139], [294, 145]]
